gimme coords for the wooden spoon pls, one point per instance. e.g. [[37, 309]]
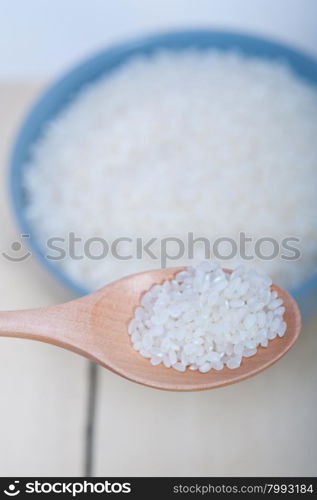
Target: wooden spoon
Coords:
[[95, 326]]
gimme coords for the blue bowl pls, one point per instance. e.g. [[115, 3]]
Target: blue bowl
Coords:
[[62, 92]]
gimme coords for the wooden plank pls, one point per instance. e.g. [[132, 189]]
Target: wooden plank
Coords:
[[42, 388]]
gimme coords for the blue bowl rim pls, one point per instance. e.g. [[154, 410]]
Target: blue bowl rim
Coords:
[[218, 39]]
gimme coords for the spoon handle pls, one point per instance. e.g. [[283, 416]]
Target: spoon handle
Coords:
[[59, 325]]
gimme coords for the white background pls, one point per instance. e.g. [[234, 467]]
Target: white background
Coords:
[[40, 38]]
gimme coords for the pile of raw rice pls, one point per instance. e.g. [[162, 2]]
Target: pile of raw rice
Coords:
[[207, 318], [211, 142]]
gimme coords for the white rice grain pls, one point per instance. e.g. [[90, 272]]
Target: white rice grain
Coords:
[[224, 336]]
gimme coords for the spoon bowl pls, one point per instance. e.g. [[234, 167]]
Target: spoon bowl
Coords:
[[96, 326]]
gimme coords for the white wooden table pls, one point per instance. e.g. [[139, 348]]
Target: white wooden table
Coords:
[[264, 426]]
